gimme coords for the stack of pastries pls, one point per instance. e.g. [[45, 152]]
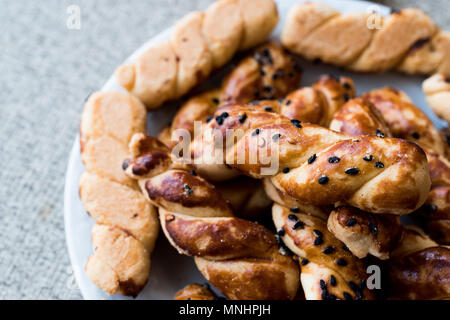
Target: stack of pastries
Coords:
[[349, 168]]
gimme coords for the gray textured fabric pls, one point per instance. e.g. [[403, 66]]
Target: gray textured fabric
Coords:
[[46, 71]]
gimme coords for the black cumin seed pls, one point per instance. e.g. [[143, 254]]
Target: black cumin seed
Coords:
[[242, 117], [324, 294], [332, 280], [262, 72], [295, 209], [379, 134], [268, 89], [292, 217], [352, 171], [379, 164], [276, 137], [193, 172], [215, 100], [285, 170], [318, 233], [304, 262], [224, 115], [429, 208], [256, 132], [341, 262], [298, 225], [318, 241], [347, 85], [346, 97], [187, 189], [219, 120], [351, 222], [368, 157], [323, 284], [281, 232], [323, 180], [328, 250], [209, 119], [125, 164], [331, 297], [288, 102], [254, 103], [353, 286], [296, 123], [344, 247], [312, 158], [372, 228], [333, 160], [415, 135], [347, 296], [268, 109], [256, 93]]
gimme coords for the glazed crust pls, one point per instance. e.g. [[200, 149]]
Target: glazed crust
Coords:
[[200, 42], [408, 40], [126, 224], [437, 91], [370, 187], [195, 291], [322, 258], [239, 257]]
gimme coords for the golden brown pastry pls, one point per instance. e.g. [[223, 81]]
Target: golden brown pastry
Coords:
[[195, 291], [437, 91], [407, 40], [126, 224], [329, 271], [239, 257], [200, 42], [320, 167]]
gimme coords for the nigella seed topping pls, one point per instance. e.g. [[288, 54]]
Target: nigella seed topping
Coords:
[[242, 117], [353, 286], [318, 233], [312, 158], [298, 225], [347, 296], [295, 209], [256, 93], [341, 262], [215, 100], [429, 208], [333, 159], [281, 232], [192, 172], [254, 103], [268, 109], [346, 97], [209, 119], [352, 171], [285, 170], [304, 262], [415, 135], [296, 123], [379, 134], [292, 217], [219, 120], [323, 285], [125, 164], [351, 222], [331, 297], [224, 115], [333, 281], [379, 164], [262, 72], [368, 157], [318, 241], [347, 85], [276, 137], [344, 247], [187, 189], [323, 180], [268, 89], [328, 250], [256, 132], [288, 102], [372, 228]]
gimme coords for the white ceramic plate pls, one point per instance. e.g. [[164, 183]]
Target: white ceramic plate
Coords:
[[171, 271]]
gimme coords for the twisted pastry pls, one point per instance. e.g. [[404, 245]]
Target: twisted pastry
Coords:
[[240, 258], [318, 166], [195, 291], [407, 40], [200, 42], [126, 224], [267, 73], [437, 91], [329, 271]]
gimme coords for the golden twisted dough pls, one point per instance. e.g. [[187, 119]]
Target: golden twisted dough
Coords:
[[437, 91], [195, 291], [329, 271], [320, 167], [239, 257], [406, 40], [126, 224], [200, 42]]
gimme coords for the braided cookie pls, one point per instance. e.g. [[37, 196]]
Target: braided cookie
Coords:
[[200, 42], [240, 258], [437, 91], [195, 292], [318, 166], [329, 271], [126, 224], [407, 40]]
